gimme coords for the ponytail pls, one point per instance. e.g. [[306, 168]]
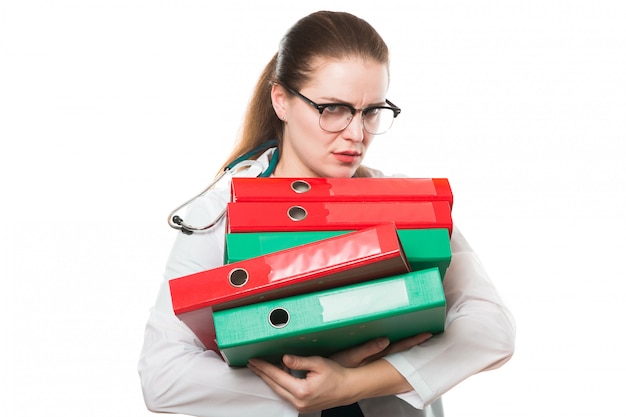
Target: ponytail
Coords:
[[260, 123]]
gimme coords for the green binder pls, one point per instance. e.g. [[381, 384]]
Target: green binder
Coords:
[[424, 248], [325, 322]]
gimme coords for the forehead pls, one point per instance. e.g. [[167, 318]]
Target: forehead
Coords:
[[352, 79]]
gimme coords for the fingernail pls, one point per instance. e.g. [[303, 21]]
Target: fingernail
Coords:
[[383, 342]]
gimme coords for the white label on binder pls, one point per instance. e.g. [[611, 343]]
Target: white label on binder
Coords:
[[368, 300]]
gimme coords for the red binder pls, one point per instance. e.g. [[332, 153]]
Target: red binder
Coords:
[[341, 189], [302, 216], [346, 259]]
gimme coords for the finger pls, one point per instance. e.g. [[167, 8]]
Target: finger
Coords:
[[302, 363], [400, 346], [278, 380], [408, 343], [270, 373], [354, 357]]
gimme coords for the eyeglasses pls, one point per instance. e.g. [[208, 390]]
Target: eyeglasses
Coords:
[[335, 117]]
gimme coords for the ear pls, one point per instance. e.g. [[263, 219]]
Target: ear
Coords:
[[279, 101]]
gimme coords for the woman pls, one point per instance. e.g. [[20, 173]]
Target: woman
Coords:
[[323, 98]]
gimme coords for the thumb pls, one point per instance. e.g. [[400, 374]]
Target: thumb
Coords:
[[299, 363]]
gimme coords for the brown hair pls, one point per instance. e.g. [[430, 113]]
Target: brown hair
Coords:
[[323, 34]]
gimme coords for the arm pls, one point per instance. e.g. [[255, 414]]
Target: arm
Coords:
[[479, 333], [178, 375]]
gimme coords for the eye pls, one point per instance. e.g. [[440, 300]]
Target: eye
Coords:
[[372, 113], [335, 109]]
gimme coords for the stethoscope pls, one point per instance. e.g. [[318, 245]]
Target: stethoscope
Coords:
[[244, 161]]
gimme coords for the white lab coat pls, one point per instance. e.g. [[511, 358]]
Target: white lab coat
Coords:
[[178, 375]]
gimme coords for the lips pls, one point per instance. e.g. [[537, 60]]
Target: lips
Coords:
[[347, 157]]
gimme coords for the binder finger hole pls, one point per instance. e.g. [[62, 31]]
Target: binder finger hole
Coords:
[[297, 213], [238, 277], [279, 317], [300, 186]]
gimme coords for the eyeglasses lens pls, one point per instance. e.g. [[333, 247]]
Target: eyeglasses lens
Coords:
[[375, 121]]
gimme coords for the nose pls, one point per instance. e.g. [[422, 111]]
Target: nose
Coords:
[[355, 131]]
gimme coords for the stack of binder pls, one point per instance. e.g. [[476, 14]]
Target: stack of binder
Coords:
[[315, 265]]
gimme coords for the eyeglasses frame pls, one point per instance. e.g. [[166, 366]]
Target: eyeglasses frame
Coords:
[[321, 107]]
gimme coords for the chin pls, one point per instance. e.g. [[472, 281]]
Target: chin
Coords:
[[341, 173]]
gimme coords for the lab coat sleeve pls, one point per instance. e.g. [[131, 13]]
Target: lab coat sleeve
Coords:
[[178, 375], [479, 332]]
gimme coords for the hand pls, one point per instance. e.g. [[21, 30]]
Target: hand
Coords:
[[375, 349], [332, 382], [326, 384]]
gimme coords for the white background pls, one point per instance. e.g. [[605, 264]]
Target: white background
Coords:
[[114, 112]]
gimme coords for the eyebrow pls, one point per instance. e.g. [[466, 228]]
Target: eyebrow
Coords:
[[334, 100]]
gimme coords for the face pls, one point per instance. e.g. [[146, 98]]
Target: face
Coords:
[[310, 151]]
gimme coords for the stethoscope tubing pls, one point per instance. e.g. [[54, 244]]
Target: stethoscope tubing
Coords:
[[176, 222]]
